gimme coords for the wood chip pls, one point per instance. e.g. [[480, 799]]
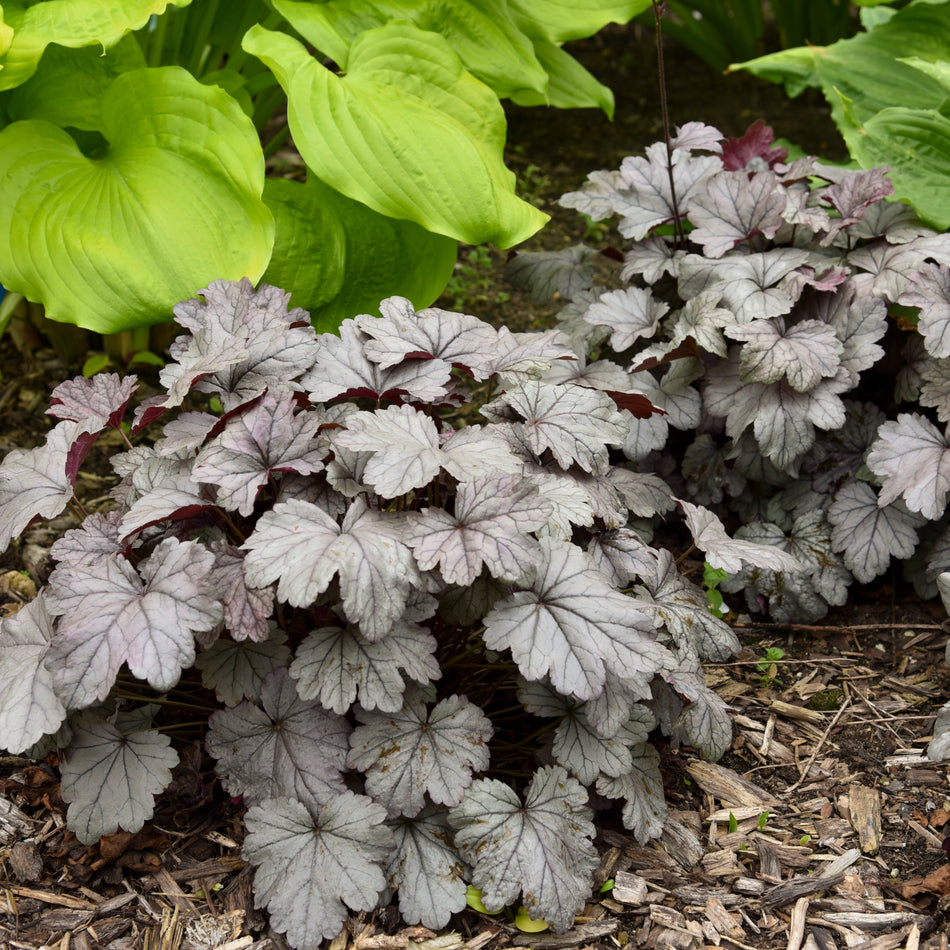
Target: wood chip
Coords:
[[629, 888], [864, 804], [800, 713], [728, 786]]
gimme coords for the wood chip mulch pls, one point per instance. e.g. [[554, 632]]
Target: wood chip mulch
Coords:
[[821, 829]]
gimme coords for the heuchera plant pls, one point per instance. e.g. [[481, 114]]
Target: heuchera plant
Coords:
[[391, 554], [753, 301]]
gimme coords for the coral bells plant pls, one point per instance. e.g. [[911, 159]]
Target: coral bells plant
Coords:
[[390, 555]]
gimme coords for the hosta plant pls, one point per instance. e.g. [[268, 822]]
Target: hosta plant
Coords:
[[780, 312], [134, 134], [406, 562]]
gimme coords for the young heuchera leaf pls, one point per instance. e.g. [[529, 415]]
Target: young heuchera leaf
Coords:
[[110, 779], [490, 526], [929, 289], [343, 368], [284, 747], [866, 534], [301, 547], [631, 314], [754, 144], [110, 615], [426, 869], [311, 866], [576, 423], [573, 626], [804, 353], [410, 753], [546, 273], [732, 207], [29, 706], [541, 849], [39, 481], [237, 671], [684, 609], [727, 553], [854, 193], [405, 333], [912, 456], [266, 438], [335, 666], [99, 401], [645, 810]]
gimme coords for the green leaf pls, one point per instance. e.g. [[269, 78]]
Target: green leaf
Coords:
[[526, 924], [482, 33], [733, 824], [407, 131], [173, 203], [915, 145], [341, 258], [563, 20], [68, 86], [96, 364], [570, 85], [473, 897], [72, 23]]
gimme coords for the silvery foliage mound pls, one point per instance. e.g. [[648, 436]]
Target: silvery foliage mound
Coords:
[[385, 601], [753, 298]]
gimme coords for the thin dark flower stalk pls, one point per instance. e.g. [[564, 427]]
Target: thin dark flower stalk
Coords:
[[658, 9]]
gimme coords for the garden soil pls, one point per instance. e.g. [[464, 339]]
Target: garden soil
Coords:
[[822, 827]]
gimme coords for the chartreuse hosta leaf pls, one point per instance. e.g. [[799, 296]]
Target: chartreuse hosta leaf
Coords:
[[110, 779], [481, 32], [541, 849], [27, 28], [341, 257], [142, 225], [313, 864], [424, 138]]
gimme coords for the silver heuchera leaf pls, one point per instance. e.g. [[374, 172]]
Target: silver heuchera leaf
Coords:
[[335, 666], [311, 866], [29, 706], [402, 332], [546, 273], [37, 481], [100, 401], [684, 609], [939, 747], [301, 547], [490, 526], [727, 554], [265, 438], [704, 720], [622, 555], [645, 810], [246, 610], [868, 535], [542, 849], [426, 870], [110, 614], [412, 752], [573, 626], [631, 314], [343, 368], [284, 747], [574, 422], [804, 354], [110, 780], [913, 458], [929, 289], [237, 670], [732, 207]]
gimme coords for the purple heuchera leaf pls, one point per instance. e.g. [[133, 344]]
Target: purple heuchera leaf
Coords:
[[246, 610], [753, 150], [110, 615], [266, 438], [100, 401]]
